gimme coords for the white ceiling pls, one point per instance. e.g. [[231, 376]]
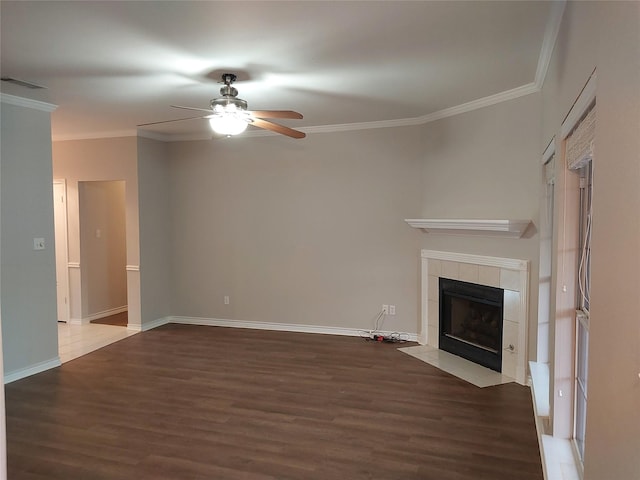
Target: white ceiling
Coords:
[[112, 65]]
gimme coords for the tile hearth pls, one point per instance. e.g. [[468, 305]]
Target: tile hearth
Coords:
[[457, 366]]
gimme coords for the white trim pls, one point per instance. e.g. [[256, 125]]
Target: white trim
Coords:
[[153, 135], [581, 105], [284, 327], [95, 135], [27, 103], [424, 301], [549, 41], [500, 262], [550, 151], [512, 94], [132, 268], [503, 228], [73, 264], [66, 284], [558, 459], [500, 97], [346, 127], [540, 389], [32, 370], [158, 322], [96, 316]]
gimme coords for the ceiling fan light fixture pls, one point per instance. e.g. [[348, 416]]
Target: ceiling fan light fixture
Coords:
[[228, 124], [230, 116]]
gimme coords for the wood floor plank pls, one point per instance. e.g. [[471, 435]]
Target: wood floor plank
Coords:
[[193, 402]]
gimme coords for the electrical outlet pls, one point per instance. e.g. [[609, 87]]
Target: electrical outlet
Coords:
[[226, 299], [392, 309], [385, 309]]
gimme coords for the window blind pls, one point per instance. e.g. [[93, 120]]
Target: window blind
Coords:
[[579, 146]]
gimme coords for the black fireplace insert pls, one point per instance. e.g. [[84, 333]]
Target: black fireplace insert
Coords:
[[471, 322]]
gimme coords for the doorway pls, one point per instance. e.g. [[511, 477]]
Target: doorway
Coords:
[[103, 251], [94, 289]]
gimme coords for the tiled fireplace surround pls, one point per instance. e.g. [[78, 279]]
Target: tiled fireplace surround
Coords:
[[512, 275]]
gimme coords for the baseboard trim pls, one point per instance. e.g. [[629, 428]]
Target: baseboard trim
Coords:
[[158, 322], [32, 370], [283, 327], [99, 315]]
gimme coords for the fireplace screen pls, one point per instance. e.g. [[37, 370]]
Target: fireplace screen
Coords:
[[471, 322]]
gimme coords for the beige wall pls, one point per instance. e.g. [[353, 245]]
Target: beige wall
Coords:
[[613, 425], [100, 160], [103, 252], [300, 232], [28, 295], [606, 36], [485, 164]]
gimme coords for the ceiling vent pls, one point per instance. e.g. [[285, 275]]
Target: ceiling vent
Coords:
[[22, 83]]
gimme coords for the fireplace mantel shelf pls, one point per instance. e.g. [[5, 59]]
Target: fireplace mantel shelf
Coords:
[[499, 228]]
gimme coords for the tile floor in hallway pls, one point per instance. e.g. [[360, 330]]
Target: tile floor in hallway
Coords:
[[77, 340]]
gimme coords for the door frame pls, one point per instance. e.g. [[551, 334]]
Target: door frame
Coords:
[[65, 247]]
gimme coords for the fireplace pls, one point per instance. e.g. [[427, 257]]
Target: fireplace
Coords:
[[509, 274], [471, 321]]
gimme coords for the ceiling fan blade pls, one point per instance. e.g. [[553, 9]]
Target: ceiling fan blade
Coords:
[[274, 127], [208, 110], [169, 121], [275, 114]]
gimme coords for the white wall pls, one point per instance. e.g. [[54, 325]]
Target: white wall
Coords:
[[606, 36], [306, 232], [485, 164], [28, 296]]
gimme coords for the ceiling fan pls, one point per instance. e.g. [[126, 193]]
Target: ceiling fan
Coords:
[[228, 114]]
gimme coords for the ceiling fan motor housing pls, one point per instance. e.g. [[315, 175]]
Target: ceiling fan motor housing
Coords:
[[227, 100], [229, 95]]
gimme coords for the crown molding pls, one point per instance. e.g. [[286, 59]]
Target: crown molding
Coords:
[[345, 127], [401, 122], [161, 137], [512, 94], [27, 102], [95, 135], [549, 40]]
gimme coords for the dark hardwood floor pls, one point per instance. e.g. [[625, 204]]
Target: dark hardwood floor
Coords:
[[117, 320], [192, 402]]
